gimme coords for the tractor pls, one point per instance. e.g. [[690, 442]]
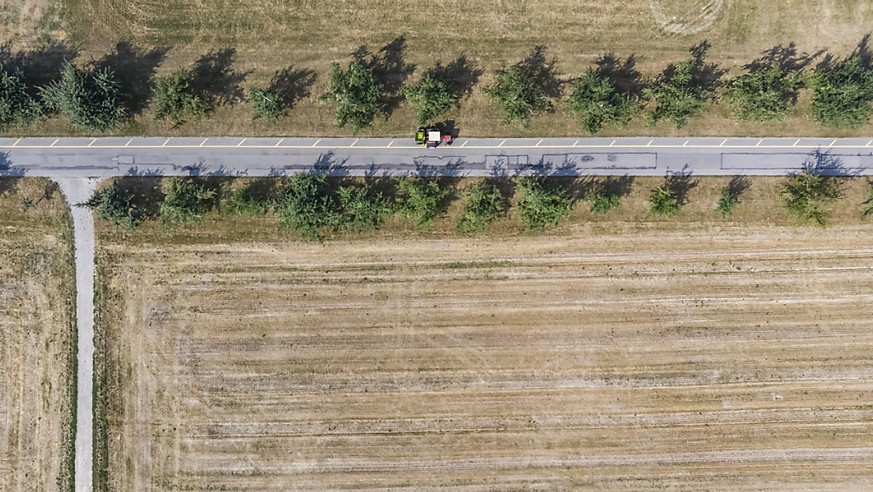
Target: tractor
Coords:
[[432, 136]]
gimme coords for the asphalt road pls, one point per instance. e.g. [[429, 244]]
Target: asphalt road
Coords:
[[233, 156]]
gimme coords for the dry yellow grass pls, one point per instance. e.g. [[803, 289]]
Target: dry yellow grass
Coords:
[[270, 35], [612, 354], [37, 344]]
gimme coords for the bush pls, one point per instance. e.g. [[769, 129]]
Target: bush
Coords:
[[842, 93], [361, 208], [868, 205], [526, 88], [420, 199], [541, 205], [602, 202], [176, 99], [115, 206], [430, 97], [484, 204], [596, 102], [242, 201], [664, 200], [727, 202], [356, 93], [16, 105], [681, 90], [808, 195], [266, 103], [184, 201], [305, 205], [764, 93], [91, 100]]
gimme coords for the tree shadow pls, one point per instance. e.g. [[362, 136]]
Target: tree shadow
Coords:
[[40, 66], [135, 69], [460, 75], [707, 76], [214, 77], [786, 58], [390, 69], [291, 85], [543, 71], [824, 163], [621, 73], [737, 186], [144, 192], [327, 164], [680, 183]]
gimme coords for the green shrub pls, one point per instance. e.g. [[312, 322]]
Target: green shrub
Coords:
[[420, 199], [16, 105], [664, 201], [361, 208], [764, 92], [115, 206], [430, 97], [682, 90], [727, 202], [602, 202], [306, 205], [176, 99], [242, 201], [483, 205], [266, 103], [596, 103], [808, 195], [842, 93], [542, 204], [526, 88], [356, 93], [184, 201], [90, 99]]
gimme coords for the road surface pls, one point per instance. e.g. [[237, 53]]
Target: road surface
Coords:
[[236, 156]]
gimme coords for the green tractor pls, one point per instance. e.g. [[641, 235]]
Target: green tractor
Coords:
[[432, 136]]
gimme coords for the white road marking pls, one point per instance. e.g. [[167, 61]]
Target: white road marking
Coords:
[[128, 142], [16, 142], [53, 143], [390, 143], [868, 143], [501, 143], [203, 142], [165, 143], [610, 144], [279, 142], [465, 143], [241, 142], [795, 143], [353, 143], [685, 144], [92, 142], [577, 142], [650, 142], [316, 143], [722, 143], [832, 143], [759, 142], [538, 143]]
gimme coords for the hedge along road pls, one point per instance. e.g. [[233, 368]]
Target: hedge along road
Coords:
[[74, 162], [233, 156]]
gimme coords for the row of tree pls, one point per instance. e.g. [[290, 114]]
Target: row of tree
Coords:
[[96, 97], [314, 205]]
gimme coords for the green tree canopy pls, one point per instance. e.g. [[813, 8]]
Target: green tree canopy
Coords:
[[356, 93], [764, 92], [542, 203], [430, 97], [664, 200], [361, 208], [842, 93], [305, 204], [596, 102], [90, 99], [808, 195], [420, 199], [184, 200], [116, 206], [176, 99], [16, 105], [266, 103], [681, 90], [526, 88], [484, 204]]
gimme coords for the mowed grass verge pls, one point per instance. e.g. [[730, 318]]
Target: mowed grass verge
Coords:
[[700, 356], [270, 36], [37, 338]]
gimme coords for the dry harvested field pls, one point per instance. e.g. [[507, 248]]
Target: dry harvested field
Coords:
[[270, 35], [37, 344], [647, 356]]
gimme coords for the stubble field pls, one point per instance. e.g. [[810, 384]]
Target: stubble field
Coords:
[[693, 356], [37, 339]]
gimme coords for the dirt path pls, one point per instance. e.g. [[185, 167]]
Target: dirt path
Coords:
[[77, 191]]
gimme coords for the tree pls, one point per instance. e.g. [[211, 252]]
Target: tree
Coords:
[[764, 92], [356, 93], [681, 90], [664, 200], [842, 93], [184, 201], [542, 204], [526, 88], [242, 201], [596, 102], [16, 105], [361, 208], [176, 99], [420, 199], [868, 205], [90, 99], [808, 195], [484, 204], [266, 102], [306, 205], [430, 97], [115, 206]]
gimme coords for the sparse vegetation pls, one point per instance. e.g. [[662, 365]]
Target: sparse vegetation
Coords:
[[305, 204], [361, 208], [243, 201]]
